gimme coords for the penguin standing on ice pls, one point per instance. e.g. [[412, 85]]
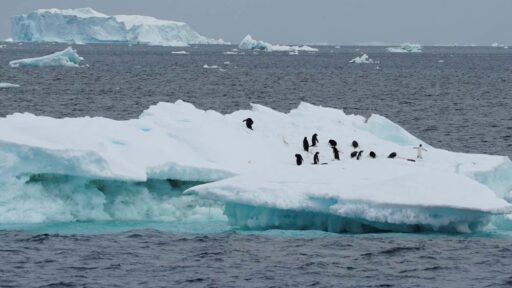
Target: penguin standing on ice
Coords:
[[298, 159], [353, 154], [305, 144], [392, 155], [355, 144], [336, 153], [316, 158], [314, 140], [359, 155], [373, 155], [333, 143], [248, 123], [420, 151]]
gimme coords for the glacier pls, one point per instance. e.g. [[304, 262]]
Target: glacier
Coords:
[[248, 43], [406, 48], [67, 58], [85, 25], [177, 162], [363, 59]]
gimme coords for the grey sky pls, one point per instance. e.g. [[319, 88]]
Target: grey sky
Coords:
[[297, 21]]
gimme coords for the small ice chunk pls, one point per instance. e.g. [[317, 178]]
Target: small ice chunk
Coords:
[[67, 57]]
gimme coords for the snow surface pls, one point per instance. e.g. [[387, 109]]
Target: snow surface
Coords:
[[252, 172], [67, 57], [85, 25], [363, 59], [249, 43], [405, 48], [8, 85]]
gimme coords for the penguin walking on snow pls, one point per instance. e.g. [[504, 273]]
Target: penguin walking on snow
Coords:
[[248, 123], [392, 155], [373, 155], [336, 153], [305, 144], [359, 155], [314, 140], [298, 159], [355, 144], [333, 143], [316, 158], [353, 154]]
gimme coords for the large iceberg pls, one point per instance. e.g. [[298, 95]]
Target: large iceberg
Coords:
[[67, 58], [406, 48], [85, 25], [176, 161], [249, 43]]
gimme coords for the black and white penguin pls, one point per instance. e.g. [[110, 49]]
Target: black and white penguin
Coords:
[[353, 154], [305, 144], [373, 155], [336, 153], [314, 140], [355, 144], [316, 158], [298, 159], [392, 155], [248, 123], [333, 143], [359, 154]]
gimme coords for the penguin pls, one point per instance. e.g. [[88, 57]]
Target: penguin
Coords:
[[355, 144], [336, 153], [353, 154], [248, 123], [392, 155], [373, 155], [359, 155], [316, 159], [305, 144], [314, 140], [332, 143], [298, 159]]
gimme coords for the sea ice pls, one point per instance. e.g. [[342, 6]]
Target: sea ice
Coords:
[[405, 48], [363, 59], [249, 43], [67, 57], [8, 85]]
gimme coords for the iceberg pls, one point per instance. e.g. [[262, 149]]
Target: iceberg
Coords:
[[248, 43], [405, 48], [363, 59], [67, 58], [8, 85], [180, 52], [85, 25], [176, 161]]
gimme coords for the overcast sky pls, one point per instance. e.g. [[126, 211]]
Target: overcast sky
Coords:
[[312, 21]]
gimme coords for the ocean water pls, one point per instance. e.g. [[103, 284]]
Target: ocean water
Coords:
[[461, 103]]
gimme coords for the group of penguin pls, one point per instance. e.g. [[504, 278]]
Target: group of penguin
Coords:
[[314, 141], [316, 158]]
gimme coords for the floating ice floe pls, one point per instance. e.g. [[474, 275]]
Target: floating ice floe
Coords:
[[206, 66], [230, 53], [363, 59], [97, 168], [8, 85], [249, 43], [180, 52], [67, 57], [85, 25], [498, 45], [406, 48]]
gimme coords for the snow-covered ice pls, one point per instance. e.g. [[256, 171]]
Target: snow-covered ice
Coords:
[[251, 174], [85, 25], [8, 85], [363, 59], [249, 43], [67, 57], [180, 52], [406, 48]]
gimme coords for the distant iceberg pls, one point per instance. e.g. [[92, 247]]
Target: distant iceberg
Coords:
[[67, 57], [157, 166], [8, 85], [498, 45], [249, 43], [363, 59], [180, 52], [406, 48], [85, 25]]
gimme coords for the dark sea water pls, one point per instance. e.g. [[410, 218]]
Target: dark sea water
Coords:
[[461, 103]]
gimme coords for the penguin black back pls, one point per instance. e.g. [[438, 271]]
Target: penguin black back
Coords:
[[359, 154], [305, 144], [314, 140], [336, 153], [373, 155], [316, 158], [353, 154], [333, 143], [392, 155], [248, 123], [298, 159], [355, 144]]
